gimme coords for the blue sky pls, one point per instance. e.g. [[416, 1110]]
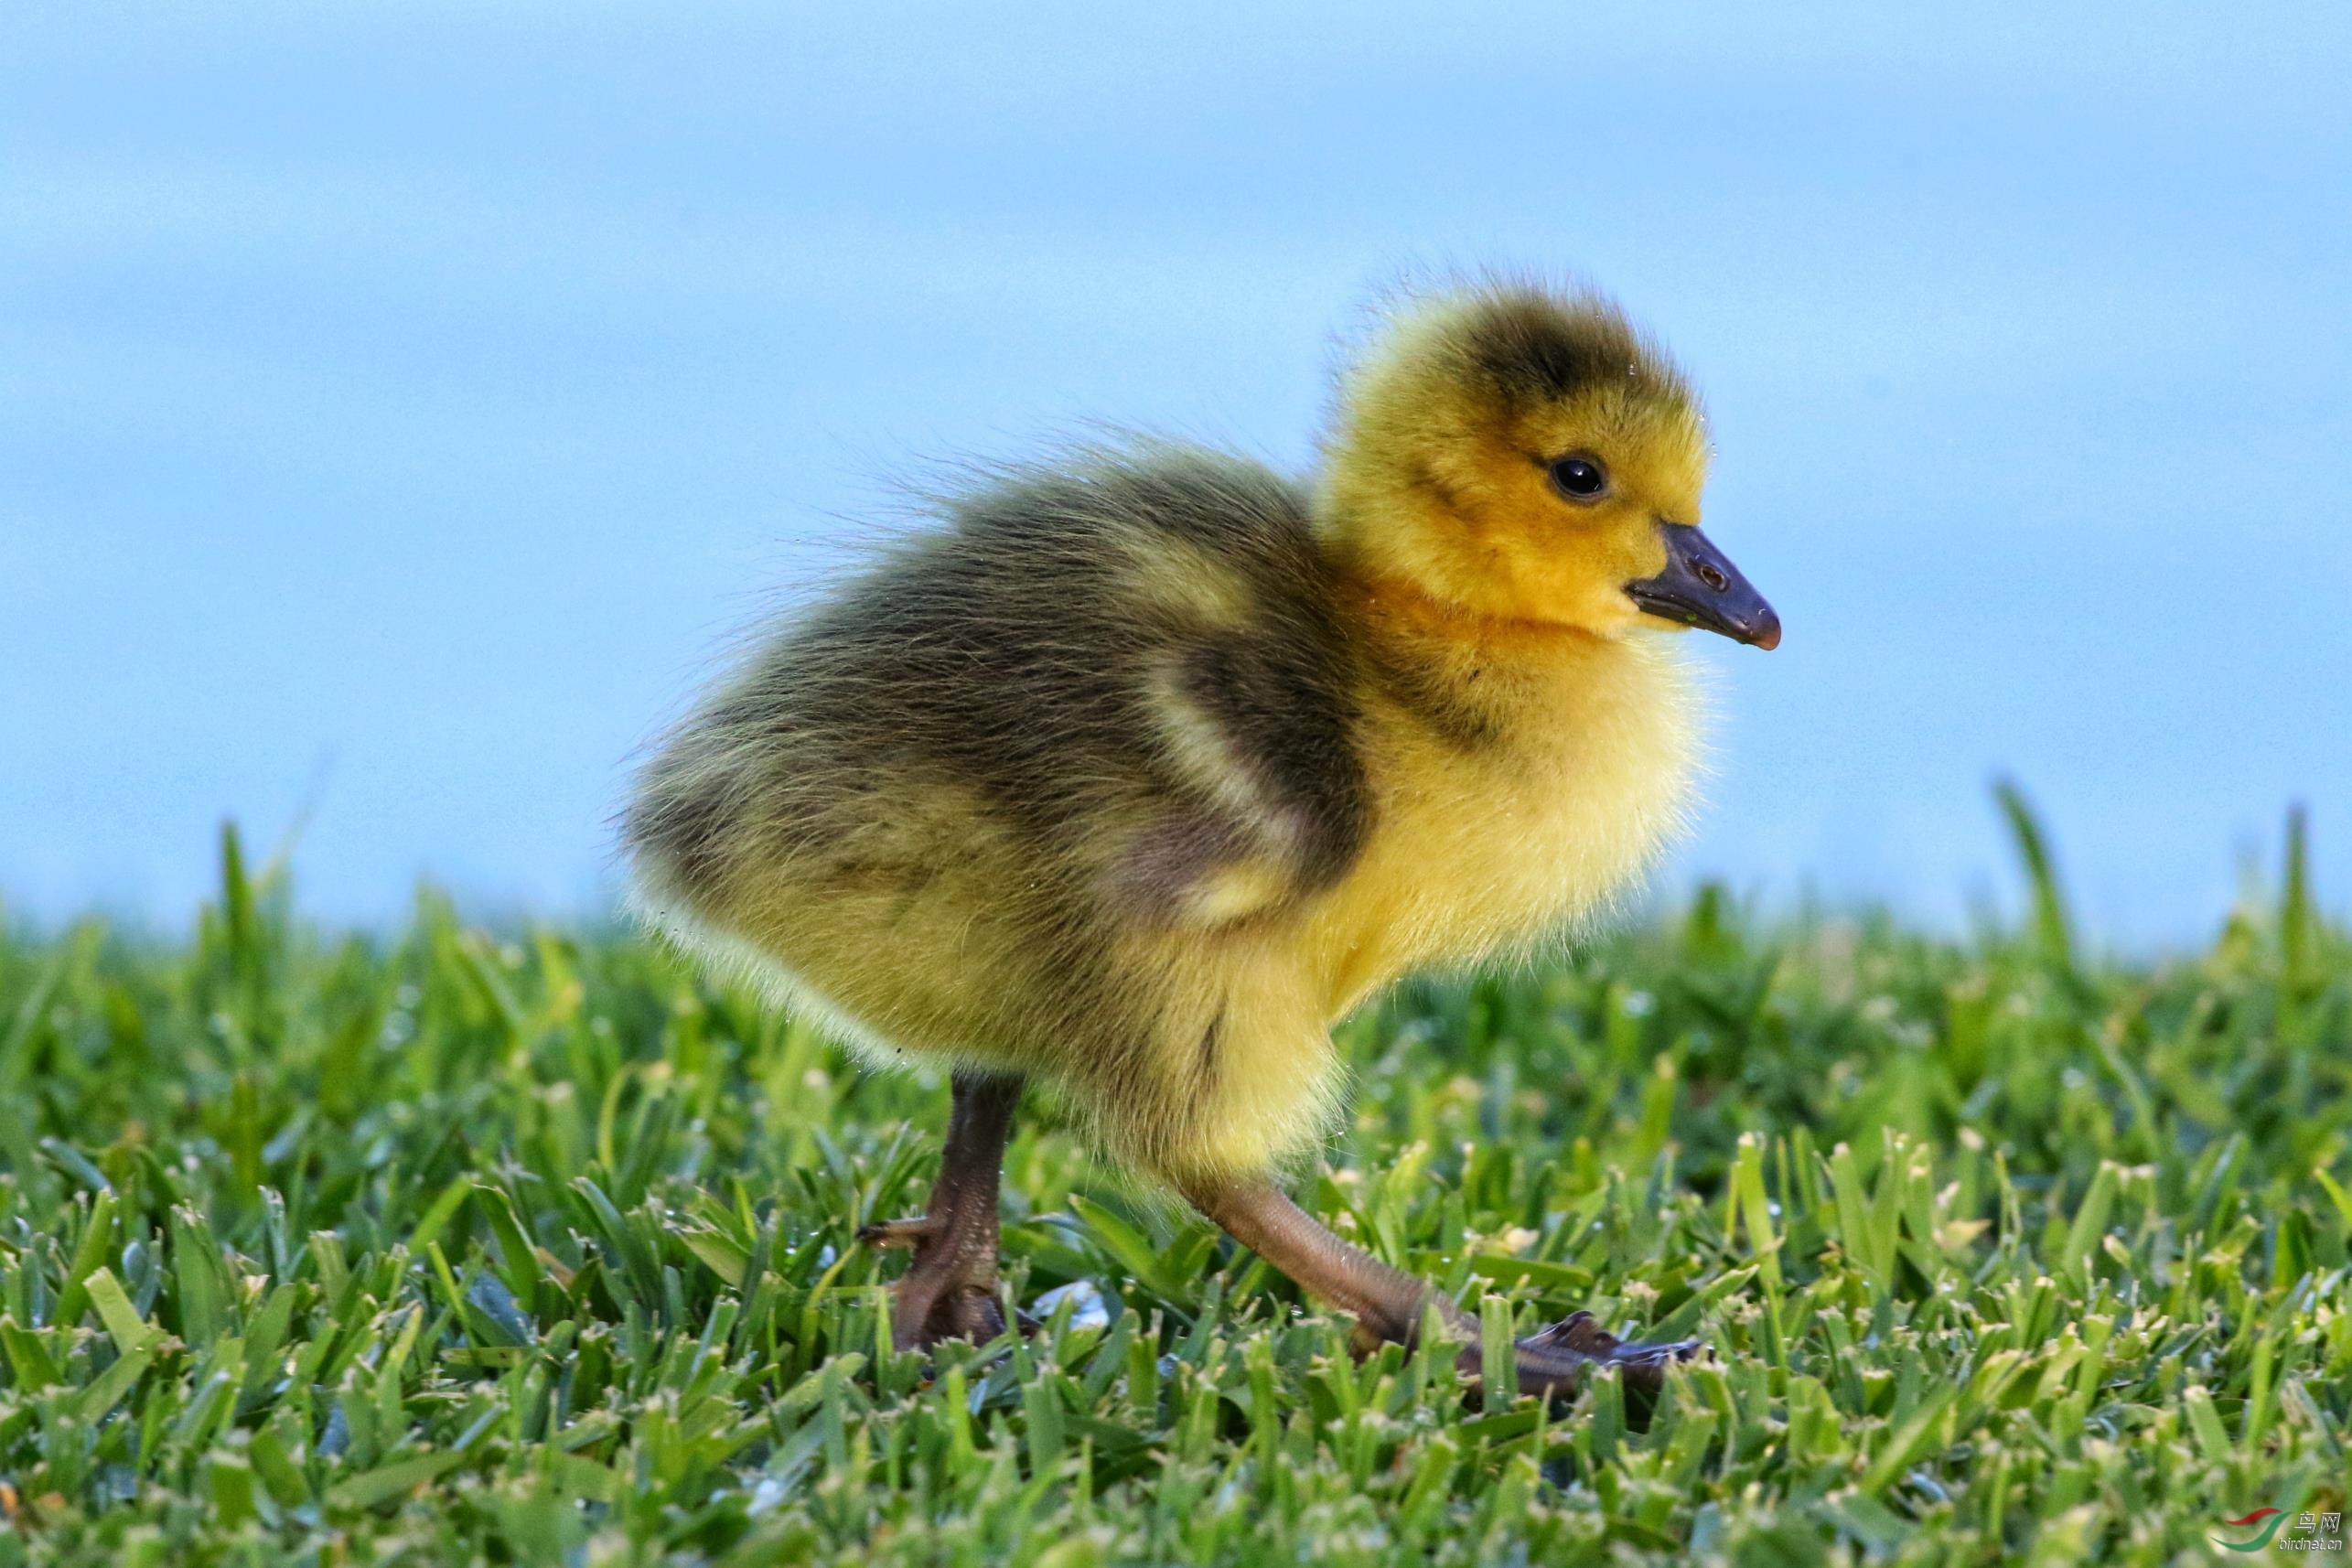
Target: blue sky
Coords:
[[399, 405]]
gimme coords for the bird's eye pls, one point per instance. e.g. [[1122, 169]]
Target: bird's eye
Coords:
[[1580, 479]]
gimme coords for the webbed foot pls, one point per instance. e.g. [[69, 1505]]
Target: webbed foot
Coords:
[[1552, 1362]]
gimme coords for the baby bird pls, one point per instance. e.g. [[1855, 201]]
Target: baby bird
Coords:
[[1136, 771]]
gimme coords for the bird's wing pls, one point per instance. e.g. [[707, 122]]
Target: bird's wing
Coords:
[[1259, 797]]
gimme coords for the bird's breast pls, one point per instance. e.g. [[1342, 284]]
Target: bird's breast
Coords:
[[1486, 846]]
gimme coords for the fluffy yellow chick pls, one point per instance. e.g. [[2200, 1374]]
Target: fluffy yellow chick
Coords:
[[1138, 771]]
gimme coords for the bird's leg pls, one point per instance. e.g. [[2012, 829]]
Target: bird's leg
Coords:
[[1388, 1303], [948, 1291]]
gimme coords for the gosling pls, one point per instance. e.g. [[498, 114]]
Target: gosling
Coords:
[[1136, 771]]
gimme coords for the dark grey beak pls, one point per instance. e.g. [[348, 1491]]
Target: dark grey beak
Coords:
[[1700, 588]]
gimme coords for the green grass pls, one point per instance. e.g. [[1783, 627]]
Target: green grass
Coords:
[[459, 1245]]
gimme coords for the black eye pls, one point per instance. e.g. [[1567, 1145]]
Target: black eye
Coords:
[[1579, 478]]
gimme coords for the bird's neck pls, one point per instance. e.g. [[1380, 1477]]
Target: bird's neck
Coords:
[[1484, 683], [1402, 613]]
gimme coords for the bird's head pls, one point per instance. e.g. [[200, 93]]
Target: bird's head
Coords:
[[1512, 457]]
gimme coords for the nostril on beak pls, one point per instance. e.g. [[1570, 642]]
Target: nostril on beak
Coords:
[[1712, 578]]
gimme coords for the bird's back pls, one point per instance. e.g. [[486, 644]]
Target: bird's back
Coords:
[[1098, 701]]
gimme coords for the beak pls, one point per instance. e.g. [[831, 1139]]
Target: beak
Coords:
[[1700, 588]]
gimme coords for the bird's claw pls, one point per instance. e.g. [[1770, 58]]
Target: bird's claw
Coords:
[[899, 1232]]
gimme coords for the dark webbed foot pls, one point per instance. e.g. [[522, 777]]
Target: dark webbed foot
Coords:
[[949, 1291], [1552, 1362]]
